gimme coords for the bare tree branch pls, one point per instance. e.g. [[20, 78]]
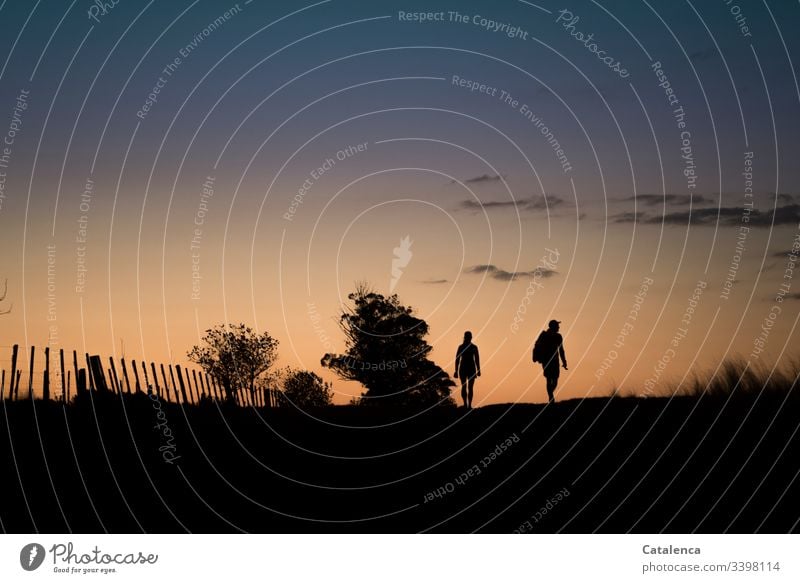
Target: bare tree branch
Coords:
[[3, 297]]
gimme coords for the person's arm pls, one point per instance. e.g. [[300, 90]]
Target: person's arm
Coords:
[[458, 361], [477, 361], [561, 352]]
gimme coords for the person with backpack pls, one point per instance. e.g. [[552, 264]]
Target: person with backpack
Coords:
[[547, 350]]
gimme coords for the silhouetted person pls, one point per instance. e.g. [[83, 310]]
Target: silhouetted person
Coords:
[[547, 350], [468, 366]]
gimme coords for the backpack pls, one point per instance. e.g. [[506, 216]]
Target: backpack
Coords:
[[540, 347]]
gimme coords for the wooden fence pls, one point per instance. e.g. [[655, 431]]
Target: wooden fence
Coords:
[[191, 388]]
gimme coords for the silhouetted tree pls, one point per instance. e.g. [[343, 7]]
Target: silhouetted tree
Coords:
[[236, 356], [305, 389], [3, 298], [387, 352]]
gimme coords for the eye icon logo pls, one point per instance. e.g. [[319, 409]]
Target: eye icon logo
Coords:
[[31, 556]]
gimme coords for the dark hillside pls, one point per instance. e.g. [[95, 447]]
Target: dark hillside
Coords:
[[618, 465]]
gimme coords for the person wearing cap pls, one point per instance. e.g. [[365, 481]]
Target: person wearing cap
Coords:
[[468, 366], [547, 350]]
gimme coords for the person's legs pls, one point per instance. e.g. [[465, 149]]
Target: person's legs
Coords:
[[467, 378], [551, 371], [552, 383]]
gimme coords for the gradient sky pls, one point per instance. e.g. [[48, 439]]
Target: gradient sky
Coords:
[[265, 98]]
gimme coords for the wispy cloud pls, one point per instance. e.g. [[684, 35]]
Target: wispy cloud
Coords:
[[628, 217], [669, 199], [483, 178], [501, 274], [433, 281], [725, 216], [704, 216], [531, 203]]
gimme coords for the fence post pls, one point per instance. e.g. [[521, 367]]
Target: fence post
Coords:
[[165, 394], [202, 384], [200, 390], [195, 386], [14, 351], [218, 388], [114, 377], [180, 380], [155, 379], [209, 385], [189, 385], [30, 375], [66, 394], [3, 387], [63, 379], [80, 382], [146, 379], [166, 383], [75, 367], [186, 391], [193, 383], [125, 375], [98, 373], [46, 379], [89, 375], [136, 377]]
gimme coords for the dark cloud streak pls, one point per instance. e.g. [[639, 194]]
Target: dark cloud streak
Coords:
[[533, 204], [501, 274], [727, 217], [660, 199], [483, 178]]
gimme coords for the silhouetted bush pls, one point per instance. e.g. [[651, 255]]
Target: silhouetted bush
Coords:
[[305, 389]]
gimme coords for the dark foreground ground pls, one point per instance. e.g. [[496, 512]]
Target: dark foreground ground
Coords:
[[708, 465]]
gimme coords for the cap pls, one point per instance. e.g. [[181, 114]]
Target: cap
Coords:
[[553, 323]]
